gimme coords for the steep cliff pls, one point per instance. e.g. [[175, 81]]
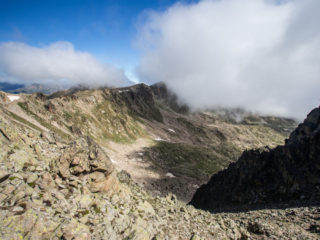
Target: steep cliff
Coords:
[[289, 172]]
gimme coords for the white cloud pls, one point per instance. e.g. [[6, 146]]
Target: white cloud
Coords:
[[251, 53], [58, 63]]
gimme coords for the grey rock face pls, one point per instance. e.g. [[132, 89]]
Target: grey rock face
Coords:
[[289, 172]]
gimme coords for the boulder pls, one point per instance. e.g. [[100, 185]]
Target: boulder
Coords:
[[85, 160], [76, 230]]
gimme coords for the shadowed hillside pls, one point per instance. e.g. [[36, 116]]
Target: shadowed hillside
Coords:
[[285, 173]]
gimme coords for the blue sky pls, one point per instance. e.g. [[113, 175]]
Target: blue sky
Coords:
[[105, 29], [263, 53]]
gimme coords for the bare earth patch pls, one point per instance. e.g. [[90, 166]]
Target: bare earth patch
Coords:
[[129, 157]]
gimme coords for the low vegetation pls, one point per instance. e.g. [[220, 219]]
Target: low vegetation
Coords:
[[192, 161]]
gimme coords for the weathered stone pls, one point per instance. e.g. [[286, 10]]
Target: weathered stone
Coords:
[[44, 228], [18, 195], [269, 176], [76, 230], [124, 177], [84, 201], [37, 149], [22, 158], [18, 209], [32, 178], [195, 237], [46, 182], [145, 207], [99, 182], [17, 226], [138, 230], [47, 199], [86, 157], [49, 136], [171, 198], [8, 189], [2, 197], [28, 189]]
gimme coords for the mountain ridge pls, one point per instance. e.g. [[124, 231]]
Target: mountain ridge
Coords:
[[98, 164], [153, 112]]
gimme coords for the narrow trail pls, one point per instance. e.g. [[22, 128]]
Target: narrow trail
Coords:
[[14, 108]]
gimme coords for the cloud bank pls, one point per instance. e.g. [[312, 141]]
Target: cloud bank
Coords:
[[58, 63], [257, 54]]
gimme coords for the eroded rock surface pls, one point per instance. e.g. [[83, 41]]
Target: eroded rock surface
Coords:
[[84, 161], [285, 173]]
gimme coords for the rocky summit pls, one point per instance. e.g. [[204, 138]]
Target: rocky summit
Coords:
[[123, 163], [289, 173]]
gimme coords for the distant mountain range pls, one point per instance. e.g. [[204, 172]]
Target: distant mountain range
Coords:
[[32, 88], [8, 87]]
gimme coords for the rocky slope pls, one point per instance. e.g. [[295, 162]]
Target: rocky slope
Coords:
[[285, 173], [182, 149], [61, 159]]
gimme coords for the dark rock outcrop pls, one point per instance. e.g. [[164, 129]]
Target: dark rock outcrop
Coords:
[[282, 174], [168, 98], [139, 101]]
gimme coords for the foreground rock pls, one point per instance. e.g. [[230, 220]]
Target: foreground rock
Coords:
[[286, 173], [84, 161]]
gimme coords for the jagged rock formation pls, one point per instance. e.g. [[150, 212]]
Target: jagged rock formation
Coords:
[[289, 172]]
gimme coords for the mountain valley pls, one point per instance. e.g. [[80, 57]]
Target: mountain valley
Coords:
[[123, 163]]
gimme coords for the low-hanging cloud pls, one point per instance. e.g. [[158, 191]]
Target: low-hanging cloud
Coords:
[[58, 64], [257, 54]]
